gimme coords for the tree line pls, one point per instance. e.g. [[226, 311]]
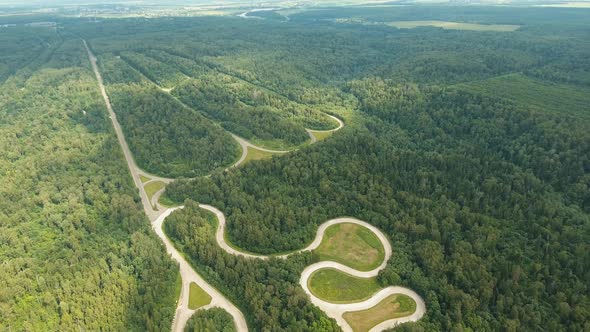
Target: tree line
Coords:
[[458, 181]]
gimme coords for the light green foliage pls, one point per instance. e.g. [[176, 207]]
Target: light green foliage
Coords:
[[338, 287], [211, 320], [256, 154], [153, 187], [77, 252], [393, 306], [352, 245], [321, 135], [197, 297]]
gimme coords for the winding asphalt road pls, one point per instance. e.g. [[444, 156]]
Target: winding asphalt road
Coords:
[[156, 217], [245, 144], [335, 310], [189, 275]]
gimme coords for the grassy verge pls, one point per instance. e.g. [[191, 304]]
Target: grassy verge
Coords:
[[144, 179], [167, 202], [197, 297], [338, 287], [393, 306], [178, 287], [153, 187], [277, 144], [255, 154], [321, 135], [352, 245]]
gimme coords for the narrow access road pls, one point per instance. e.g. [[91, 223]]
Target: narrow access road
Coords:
[[244, 144], [121, 138], [157, 218], [189, 275]]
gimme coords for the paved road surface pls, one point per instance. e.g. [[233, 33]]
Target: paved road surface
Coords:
[[189, 275], [156, 217], [335, 310]]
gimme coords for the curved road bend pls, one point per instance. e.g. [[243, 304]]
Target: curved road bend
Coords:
[[183, 313], [244, 144], [335, 310], [187, 273]]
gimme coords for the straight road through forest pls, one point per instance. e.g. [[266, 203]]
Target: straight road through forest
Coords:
[[187, 273]]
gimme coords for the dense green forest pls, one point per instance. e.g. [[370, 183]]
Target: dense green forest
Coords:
[[211, 320], [168, 138], [241, 107], [469, 149], [25, 50], [543, 96], [268, 292], [77, 251], [251, 112], [460, 184], [485, 198]]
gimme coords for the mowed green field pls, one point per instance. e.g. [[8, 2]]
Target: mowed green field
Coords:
[[352, 245], [559, 99], [256, 154], [197, 297], [393, 306], [321, 135], [338, 287], [455, 25], [153, 187]]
